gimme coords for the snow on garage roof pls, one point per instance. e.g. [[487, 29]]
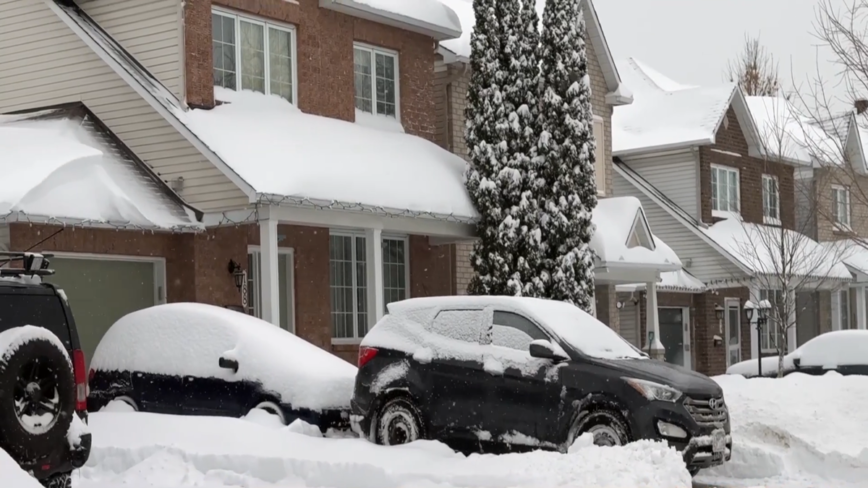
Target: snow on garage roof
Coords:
[[623, 237], [53, 158], [307, 159]]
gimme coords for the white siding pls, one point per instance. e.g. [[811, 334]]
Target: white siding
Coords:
[[44, 63], [676, 175], [704, 261], [149, 30]]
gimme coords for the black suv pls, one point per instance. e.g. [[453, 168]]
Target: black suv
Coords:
[[41, 386], [505, 373]]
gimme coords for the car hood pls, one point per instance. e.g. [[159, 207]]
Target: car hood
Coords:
[[687, 381]]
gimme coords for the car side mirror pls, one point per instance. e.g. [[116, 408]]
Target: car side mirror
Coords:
[[544, 349], [228, 364]]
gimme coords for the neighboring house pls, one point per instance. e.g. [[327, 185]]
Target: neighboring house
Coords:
[[629, 229], [312, 207], [695, 159]]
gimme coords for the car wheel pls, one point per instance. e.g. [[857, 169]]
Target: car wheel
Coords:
[[693, 472], [607, 428], [398, 423], [129, 401], [38, 379], [60, 480], [271, 408]]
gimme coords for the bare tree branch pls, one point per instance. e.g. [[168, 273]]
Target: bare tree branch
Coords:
[[755, 69]]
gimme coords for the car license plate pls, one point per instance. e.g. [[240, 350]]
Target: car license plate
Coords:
[[718, 441]]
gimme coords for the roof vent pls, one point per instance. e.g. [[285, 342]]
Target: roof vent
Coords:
[[861, 105]]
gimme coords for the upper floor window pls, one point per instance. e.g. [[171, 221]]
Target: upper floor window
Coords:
[[600, 164], [253, 55], [376, 80], [724, 190], [771, 200], [841, 206]]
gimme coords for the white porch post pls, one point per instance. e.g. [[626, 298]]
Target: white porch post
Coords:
[[374, 268], [652, 321], [755, 344], [269, 274], [860, 308]]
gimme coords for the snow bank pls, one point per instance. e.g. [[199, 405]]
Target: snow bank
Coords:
[[12, 339], [189, 339], [283, 152], [797, 431], [12, 476], [163, 450], [615, 219]]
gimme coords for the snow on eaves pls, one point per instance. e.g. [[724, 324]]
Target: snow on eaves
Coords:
[[55, 160], [665, 113], [675, 281], [789, 135], [294, 158], [431, 17], [614, 219]]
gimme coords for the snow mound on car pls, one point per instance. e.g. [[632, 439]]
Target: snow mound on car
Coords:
[[190, 338], [799, 430], [165, 450], [12, 476]]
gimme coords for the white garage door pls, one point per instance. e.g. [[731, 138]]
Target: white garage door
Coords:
[[102, 291]]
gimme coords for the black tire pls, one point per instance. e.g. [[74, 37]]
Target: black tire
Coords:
[[36, 377], [59, 480], [608, 427], [398, 422]]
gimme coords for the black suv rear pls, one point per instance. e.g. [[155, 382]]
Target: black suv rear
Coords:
[[39, 393]]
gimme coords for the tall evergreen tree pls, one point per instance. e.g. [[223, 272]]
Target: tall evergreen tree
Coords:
[[566, 151]]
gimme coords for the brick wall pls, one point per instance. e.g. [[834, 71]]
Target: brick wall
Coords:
[[711, 358], [324, 58], [730, 139], [857, 184], [606, 300]]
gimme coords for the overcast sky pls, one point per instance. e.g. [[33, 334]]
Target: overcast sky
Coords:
[[692, 40]]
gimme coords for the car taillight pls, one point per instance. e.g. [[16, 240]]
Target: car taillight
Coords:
[[80, 380], [366, 354]]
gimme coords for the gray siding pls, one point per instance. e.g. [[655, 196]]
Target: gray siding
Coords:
[[629, 316], [676, 175], [45, 63], [698, 257], [149, 30]]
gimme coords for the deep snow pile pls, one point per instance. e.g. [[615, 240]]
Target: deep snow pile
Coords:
[[797, 431], [11, 476], [138, 449]]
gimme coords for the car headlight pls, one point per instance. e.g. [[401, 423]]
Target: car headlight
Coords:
[[654, 391]]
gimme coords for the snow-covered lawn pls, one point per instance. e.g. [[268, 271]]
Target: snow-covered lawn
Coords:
[[799, 431]]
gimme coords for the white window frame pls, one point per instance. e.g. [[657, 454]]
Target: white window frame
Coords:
[[769, 219], [355, 234], [600, 166], [729, 212], [374, 50], [254, 298], [843, 225], [266, 25]]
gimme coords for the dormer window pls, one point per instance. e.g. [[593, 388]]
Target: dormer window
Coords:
[[376, 81], [724, 191]]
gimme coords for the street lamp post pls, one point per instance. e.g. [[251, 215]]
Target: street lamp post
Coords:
[[761, 313]]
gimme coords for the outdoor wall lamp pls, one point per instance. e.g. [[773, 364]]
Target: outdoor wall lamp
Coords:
[[237, 273]]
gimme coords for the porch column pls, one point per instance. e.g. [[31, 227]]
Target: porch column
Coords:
[[269, 273], [860, 308], [652, 322], [374, 269]]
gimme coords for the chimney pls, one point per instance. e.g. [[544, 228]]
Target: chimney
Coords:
[[861, 106]]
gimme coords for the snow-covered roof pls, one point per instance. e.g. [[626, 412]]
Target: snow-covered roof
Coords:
[[427, 17], [789, 135], [618, 92], [303, 159], [623, 237], [680, 281], [749, 245], [852, 252], [52, 158]]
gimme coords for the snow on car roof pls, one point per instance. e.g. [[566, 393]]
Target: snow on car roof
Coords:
[[189, 338], [570, 323], [828, 350]]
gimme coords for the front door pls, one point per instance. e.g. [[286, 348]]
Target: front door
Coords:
[[733, 332], [672, 334]]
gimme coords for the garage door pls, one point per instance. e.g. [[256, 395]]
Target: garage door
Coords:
[[100, 292]]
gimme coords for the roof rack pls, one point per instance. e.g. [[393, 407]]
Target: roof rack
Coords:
[[35, 264]]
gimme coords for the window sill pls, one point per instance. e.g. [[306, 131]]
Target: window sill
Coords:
[[723, 214], [772, 221], [346, 342], [842, 228]]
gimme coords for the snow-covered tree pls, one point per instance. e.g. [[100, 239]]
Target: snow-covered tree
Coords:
[[565, 156]]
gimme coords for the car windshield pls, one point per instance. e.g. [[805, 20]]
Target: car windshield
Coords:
[[584, 332]]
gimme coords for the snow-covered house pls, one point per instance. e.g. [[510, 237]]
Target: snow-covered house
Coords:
[[695, 158], [621, 224], [312, 203]]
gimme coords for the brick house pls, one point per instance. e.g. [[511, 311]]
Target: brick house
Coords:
[[317, 263], [695, 158], [451, 78]]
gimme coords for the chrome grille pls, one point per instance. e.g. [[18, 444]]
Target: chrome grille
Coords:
[[710, 412]]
